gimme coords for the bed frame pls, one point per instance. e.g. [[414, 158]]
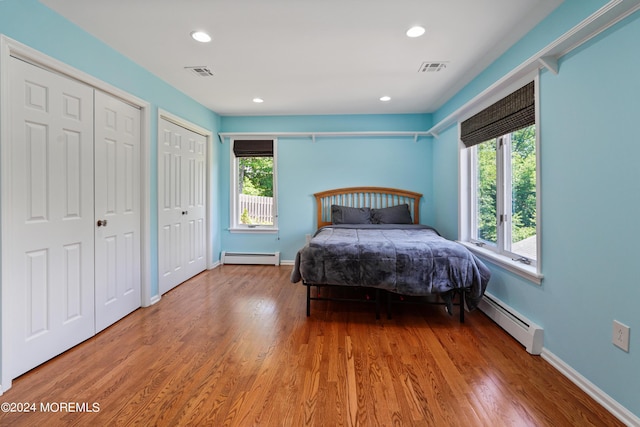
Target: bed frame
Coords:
[[360, 197], [372, 197]]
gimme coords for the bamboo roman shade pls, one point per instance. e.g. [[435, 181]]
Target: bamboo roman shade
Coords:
[[511, 113], [253, 147]]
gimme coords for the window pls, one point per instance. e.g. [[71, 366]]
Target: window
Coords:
[[253, 185], [504, 214], [500, 192]]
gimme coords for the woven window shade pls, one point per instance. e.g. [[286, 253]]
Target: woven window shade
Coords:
[[253, 147], [511, 113]]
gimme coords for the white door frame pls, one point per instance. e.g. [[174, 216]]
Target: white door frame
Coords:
[[163, 114], [10, 47]]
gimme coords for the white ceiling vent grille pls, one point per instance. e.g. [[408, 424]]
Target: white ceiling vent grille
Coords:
[[201, 71], [432, 67]]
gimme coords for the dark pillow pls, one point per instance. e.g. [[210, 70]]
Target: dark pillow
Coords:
[[347, 215], [393, 215]]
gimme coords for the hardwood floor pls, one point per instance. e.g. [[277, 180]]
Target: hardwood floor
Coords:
[[234, 347]]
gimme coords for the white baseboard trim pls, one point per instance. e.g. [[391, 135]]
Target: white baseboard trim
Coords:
[[610, 404], [287, 262], [517, 325], [254, 258]]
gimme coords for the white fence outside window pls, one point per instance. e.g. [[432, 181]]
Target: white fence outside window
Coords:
[[256, 209]]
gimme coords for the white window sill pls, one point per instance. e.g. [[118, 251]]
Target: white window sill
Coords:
[[529, 272], [256, 230]]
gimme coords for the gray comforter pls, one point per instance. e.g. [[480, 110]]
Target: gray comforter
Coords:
[[404, 259]]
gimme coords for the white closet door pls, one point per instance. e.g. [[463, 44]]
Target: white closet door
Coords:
[[50, 230], [117, 209], [195, 203], [181, 204]]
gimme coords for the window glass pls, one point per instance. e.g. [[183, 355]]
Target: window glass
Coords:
[[523, 192], [486, 190], [255, 190]]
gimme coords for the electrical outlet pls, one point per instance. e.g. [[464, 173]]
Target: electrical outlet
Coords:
[[621, 335]]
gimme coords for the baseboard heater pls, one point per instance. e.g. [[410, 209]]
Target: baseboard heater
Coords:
[[250, 258], [522, 329]]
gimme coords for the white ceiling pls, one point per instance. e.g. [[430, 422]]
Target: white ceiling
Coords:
[[310, 56]]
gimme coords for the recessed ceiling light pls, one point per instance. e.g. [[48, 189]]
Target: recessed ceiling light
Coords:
[[416, 31], [385, 98], [200, 36], [258, 100]]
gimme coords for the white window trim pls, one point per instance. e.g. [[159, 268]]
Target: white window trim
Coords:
[[233, 195], [529, 272], [465, 212]]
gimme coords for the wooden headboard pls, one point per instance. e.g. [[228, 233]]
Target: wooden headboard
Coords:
[[361, 197]]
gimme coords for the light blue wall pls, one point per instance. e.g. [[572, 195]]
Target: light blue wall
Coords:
[[306, 167], [32, 24], [591, 185], [590, 204]]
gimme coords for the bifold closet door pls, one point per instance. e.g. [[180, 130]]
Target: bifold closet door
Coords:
[[182, 204], [72, 246], [50, 229], [117, 209]]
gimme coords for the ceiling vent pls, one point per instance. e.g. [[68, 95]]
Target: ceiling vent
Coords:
[[201, 71], [432, 67]]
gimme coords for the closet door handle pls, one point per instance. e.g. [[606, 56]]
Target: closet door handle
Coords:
[[102, 223]]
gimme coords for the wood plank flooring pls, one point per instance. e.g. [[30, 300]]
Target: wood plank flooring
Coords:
[[233, 347]]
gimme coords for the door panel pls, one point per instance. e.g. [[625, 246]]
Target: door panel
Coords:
[[50, 258], [117, 207], [195, 196], [170, 208], [182, 204]]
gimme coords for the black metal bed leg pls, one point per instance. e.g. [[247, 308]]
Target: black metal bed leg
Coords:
[[308, 300], [462, 303]]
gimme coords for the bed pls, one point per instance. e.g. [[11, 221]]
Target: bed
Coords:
[[371, 238]]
